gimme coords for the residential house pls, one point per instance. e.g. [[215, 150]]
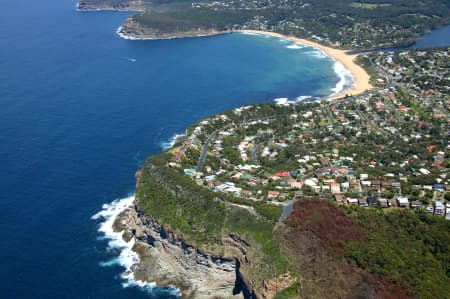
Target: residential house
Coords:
[[352, 201], [272, 194], [335, 188], [396, 185], [383, 202], [363, 202], [417, 204], [295, 184], [372, 201], [439, 209], [345, 185], [392, 202], [438, 188], [402, 201], [339, 198]]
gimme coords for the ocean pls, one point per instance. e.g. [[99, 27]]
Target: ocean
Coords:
[[81, 109]]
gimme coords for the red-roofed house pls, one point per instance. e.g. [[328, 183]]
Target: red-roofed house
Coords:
[[403, 108], [335, 188], [282, 174]]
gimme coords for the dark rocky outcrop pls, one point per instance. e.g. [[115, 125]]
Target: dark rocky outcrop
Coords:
[[167, 259]]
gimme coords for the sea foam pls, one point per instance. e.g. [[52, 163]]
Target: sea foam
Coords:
[[316, 53], [169, 144], [287, 102], [128, 259], [345, 78], [124, 36], [295, 46], [250, 33]]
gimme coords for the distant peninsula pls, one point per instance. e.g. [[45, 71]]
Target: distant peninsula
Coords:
[[120, 5], [345, 24]]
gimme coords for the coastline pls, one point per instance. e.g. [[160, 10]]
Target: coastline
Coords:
[[176, 267], [135, 6], [135, 259], [361, 80], [169, 36]]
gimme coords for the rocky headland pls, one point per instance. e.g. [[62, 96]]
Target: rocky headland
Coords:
[[229, 266], [134, 30], [168, 260], [87, 5]]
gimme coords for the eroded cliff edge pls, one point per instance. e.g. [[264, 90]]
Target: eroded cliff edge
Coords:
[[187, 238], [168, 260]]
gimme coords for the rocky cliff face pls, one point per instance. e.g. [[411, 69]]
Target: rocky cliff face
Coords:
[[125, 5], [228, 266], [167, 260], [134, 30]]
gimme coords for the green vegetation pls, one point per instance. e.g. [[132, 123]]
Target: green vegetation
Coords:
[[396, 137], [411, 248], [202, 218], [290, 292], [115, 4], [192, 19], [370, 69], [345, 24], [384, 146]]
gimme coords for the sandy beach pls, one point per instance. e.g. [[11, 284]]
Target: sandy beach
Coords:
[[361, 80]]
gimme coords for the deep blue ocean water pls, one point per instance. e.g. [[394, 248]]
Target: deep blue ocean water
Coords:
[[78, 116]]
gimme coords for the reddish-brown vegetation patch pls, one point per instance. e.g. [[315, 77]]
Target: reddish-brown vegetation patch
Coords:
[[314, 237], [325, 221]]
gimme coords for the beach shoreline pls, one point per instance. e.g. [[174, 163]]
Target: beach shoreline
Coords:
[[361, 80]]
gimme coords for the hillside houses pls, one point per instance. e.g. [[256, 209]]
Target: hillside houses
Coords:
[[384, 149]]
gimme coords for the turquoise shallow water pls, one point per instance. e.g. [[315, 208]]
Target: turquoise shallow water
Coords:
[[81, 109]]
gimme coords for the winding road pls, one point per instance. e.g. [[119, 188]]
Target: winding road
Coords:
[[202, 158]]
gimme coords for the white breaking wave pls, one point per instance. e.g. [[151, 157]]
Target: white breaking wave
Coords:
[[345, 78], [282, 101], [169, 144], [131, 59], [128, 259], [295, 46], [302, 98], [317, 53], [287, 102], [250, 33], [124, 36]]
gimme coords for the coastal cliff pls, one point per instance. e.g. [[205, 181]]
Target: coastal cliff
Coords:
[[135, 30], [167, 259], [125, 5], [227, 265]]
